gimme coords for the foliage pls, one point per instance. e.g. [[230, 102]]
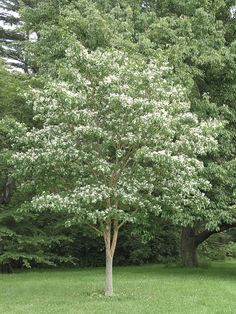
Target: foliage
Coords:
[[215, 248], [106, 132], [219, 247], [133, 247], [25, 239], [197, 38], [231, 250]]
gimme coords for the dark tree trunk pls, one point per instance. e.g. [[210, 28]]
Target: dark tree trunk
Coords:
[[6, 268], [191, 239], [6, 190], [189, 247]]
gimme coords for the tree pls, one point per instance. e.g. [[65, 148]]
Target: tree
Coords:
[[192, 237], [106, 127], [14, 37], [96, 24], [196, 36], [199, 39], [11, 36]]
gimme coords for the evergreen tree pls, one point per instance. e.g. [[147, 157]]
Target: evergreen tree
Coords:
[[13, 37]]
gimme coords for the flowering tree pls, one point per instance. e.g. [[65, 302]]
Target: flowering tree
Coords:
[[111, 130]]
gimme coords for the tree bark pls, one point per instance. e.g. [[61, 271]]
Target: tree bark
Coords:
[[6, 268], [110, 245], [189, 247], [191, 239], [205, 234], [6, 190], [108, 277]]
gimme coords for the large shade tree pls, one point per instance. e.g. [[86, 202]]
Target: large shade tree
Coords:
[[199, 37]]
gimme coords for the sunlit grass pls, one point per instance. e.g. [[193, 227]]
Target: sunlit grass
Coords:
[[147, 289]]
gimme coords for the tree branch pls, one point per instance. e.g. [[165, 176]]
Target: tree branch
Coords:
[[96, 229], [202, 236], [114, 238]]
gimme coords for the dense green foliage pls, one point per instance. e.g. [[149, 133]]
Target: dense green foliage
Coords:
[[198, 39], [25, 239]]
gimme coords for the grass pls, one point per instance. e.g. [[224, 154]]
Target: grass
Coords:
[[143, 289]]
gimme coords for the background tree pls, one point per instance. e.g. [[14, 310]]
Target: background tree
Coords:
[[199, 38], [11, 36]]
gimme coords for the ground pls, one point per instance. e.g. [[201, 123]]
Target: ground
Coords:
[[210, 289]]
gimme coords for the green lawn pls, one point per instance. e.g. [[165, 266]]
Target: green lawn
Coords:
[[147, 289]]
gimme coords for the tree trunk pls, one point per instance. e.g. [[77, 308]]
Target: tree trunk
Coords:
[[189, 247], [191, 239], [108, 277], [6, 268], [110, 245]]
